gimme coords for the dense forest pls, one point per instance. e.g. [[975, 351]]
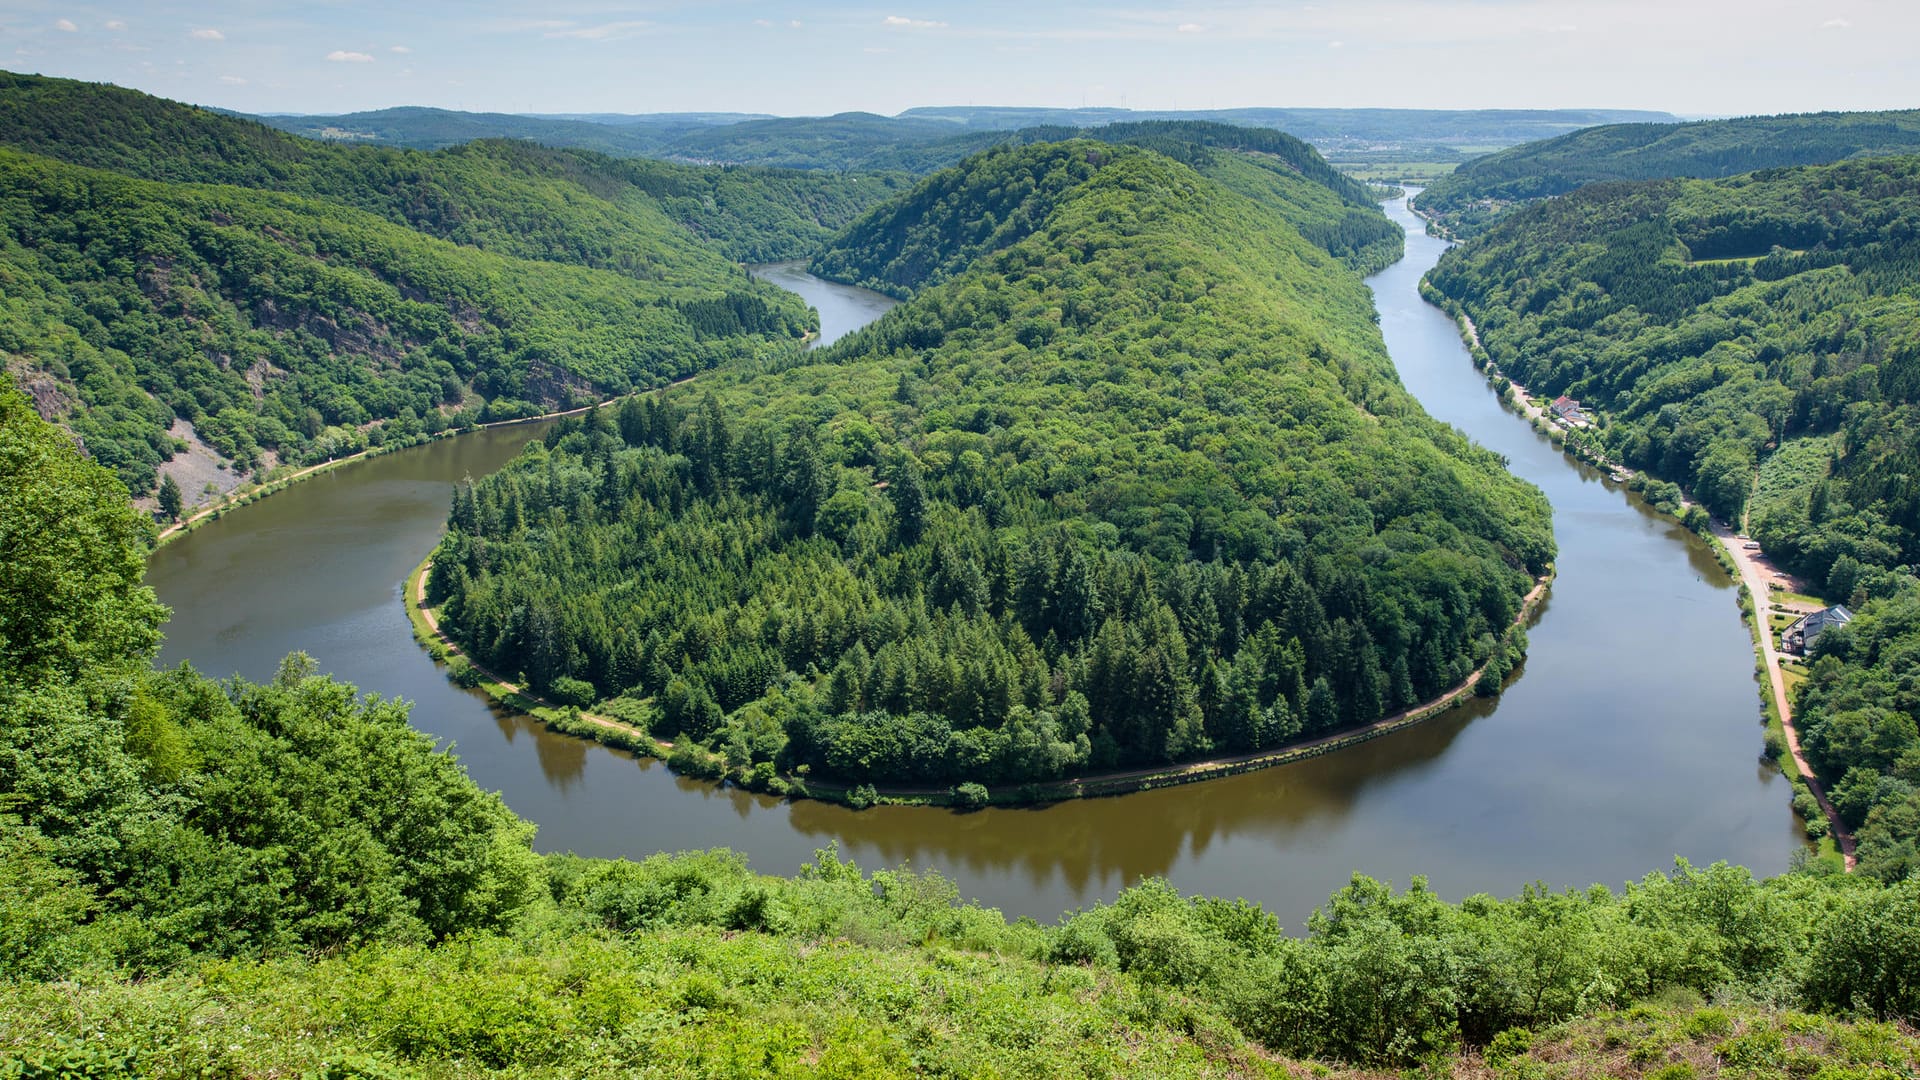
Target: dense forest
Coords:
[[298, 300], [221, 878], [1754, 339], [1138, 486], [952, 218], [1467, 201], [285, 325]]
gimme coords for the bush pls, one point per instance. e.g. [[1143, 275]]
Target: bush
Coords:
[[578, 693], [970, 796], [862, 797], [690, 759], [463, 673]]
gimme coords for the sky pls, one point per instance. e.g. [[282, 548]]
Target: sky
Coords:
[[1691, 57]]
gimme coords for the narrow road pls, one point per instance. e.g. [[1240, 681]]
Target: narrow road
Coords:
[[1757, 575]]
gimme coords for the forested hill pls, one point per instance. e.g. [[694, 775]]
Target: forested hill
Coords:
[[633, 216], [1137, 487], [1479, 192], [203, 878], [295, 299], [289, 325], [955, 216], [1757, 340]]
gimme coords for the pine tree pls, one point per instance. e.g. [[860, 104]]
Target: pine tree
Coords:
[[170, 500]]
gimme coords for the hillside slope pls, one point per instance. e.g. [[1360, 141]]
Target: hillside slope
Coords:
[[1138, 486], [1479, 192], [519, 198], [291, 300], [1754, 339], [289, 325], [952, 218]]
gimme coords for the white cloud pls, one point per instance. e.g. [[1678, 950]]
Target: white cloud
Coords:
[[602, 32], [904, 23], [116, 24], [341, 56], [233, 80], [876, 50], [400, 49], [207, 34], [1836, 24], [1336, 44], [66, 26], [1190, 28]]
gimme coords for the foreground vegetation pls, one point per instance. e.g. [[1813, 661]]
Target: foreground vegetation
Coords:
[[1471, 198], [208, 878], [1752, 340], [1138, 487]]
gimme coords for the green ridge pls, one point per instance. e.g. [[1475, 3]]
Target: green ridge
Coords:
[[1754, 339], [1138, 487]]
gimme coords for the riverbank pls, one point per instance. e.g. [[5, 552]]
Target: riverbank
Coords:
[[1757, 578], [703, 764], [253, 491]]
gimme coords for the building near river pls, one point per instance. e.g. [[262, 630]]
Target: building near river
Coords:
[[1568, 410], [1800, 636]]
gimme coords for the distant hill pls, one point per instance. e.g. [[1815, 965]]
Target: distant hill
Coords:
[[1452, 127], [1470, 199], [921, 140]]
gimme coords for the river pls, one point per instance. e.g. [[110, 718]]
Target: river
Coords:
[[1631, 736]]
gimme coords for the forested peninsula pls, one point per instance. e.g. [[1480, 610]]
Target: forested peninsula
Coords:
[[225, 878], [1474, 196], [293, 301], [1753, 339], [1137, 486]]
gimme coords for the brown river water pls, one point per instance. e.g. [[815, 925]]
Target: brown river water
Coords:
[[1630, 737]]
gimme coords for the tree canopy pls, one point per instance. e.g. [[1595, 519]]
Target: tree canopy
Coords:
[[1472, 197], [1137, 484]]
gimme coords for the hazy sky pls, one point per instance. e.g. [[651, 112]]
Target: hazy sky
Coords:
[[1685, 56]]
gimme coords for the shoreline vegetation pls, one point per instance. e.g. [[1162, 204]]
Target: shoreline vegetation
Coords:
[[689, 759], [253, 491], [1782, 739]]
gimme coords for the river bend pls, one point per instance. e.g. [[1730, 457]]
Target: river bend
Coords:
[[1630, 737]]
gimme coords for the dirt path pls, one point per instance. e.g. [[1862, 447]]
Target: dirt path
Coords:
[[1758, 574], [222, 503], [417, 590], [230, 497]]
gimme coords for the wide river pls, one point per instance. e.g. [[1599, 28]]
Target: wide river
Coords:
[[1631, 736]]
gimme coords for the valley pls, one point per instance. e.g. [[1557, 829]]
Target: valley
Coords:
[[1004, 535]]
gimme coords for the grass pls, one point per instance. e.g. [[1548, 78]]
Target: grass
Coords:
[[1416, 172], [1744, 259], [1784, 597]]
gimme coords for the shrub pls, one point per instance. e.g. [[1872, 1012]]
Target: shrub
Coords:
[[970, 796], [568, 690]]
